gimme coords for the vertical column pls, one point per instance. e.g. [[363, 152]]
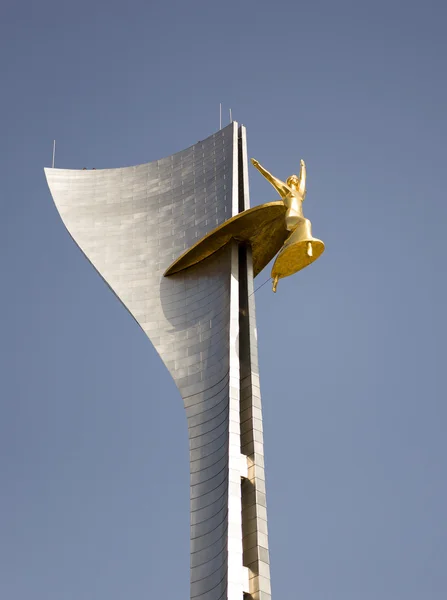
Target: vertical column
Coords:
[[235, 560], [254, 510]]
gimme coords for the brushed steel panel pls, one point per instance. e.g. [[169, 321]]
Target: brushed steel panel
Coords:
[[131, 223]]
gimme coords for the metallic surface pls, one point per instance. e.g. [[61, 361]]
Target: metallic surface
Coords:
[[254, 505], [261, 227], [299, 251], [292, 192], [131, 223]]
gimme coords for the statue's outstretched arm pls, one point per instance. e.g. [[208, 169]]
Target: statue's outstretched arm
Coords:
[[281, 187], [302, 187]]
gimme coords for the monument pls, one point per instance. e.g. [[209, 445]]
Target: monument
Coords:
[[178, 243]]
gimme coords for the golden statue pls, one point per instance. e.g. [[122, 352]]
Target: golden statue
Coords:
[[292, 192], [273, 228], [300, 249]]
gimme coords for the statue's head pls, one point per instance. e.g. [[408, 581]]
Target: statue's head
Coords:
[[293, 180]]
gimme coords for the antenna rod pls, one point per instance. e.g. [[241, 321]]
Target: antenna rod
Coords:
[[220, 116], [54, 152], [231, 118]]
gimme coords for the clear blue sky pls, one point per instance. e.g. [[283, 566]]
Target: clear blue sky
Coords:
[[94, 500]]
